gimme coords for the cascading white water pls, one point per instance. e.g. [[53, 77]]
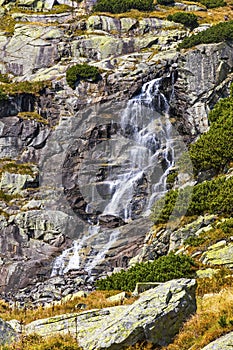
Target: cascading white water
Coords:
[[70, 258], [152, 140], [146, 120], [101, 255]]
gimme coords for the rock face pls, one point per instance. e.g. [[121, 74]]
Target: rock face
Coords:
[[27, 244], [220, 253], [223, 343], [42, 214], [156, 317], [204, 74], [166, 240], [7, 333]]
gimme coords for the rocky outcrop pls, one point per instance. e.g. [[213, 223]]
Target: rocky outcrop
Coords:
[[155, 317], [29, 242], [220, 254], [165, 240], [15, 183], [129, 52], [7, 333], [204, 75], [223, 343]]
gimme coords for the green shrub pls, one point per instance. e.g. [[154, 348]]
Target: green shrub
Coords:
[[163, 269], [214, 197], [195, 241], [222, 321], [215, 34], [227, 226], [166, 2], [223, 108], [210, 4], [23, 87], [171, 178], [81, 72], [120, 6], [214, 149], [3, 96], [4, 78], [187, 19]]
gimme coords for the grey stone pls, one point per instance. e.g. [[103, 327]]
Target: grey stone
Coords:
[[14, 183], [118, 297], [220, 253], [223, 343], [142, 287], [7, 333], [156, 317]]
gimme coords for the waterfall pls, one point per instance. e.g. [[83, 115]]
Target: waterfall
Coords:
[[101, 254], [70, 258], [148, 157], [152, 140]]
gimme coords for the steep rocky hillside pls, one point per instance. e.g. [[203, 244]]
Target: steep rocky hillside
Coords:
[[97, 112]]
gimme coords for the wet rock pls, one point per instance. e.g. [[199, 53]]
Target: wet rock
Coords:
[[110, 221]]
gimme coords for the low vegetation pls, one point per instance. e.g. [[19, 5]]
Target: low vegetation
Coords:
[[120, 6], [33, 116], [189, 20], [94, 300], [81, 72], [27, 87], [7, 25], [220, 230], [214, 150], [12, 166], [4, 78], [220, 32], [3, 96], [161, 270], [7, 198], [210, 4], [166, 2], [214, 197], [214, 318], [36, 342]]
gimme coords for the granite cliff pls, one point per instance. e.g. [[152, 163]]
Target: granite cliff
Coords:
[[37, 127], [81, 166]]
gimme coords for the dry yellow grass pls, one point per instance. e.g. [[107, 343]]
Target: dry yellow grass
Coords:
[[204, 327], [198, 331], [36, 342], [211, 16], [95, 300]]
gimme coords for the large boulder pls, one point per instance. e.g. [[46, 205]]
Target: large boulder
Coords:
[[7, 333], [156, 317], [223, 343]]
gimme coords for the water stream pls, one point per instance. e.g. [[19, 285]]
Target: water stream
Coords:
[[149, 156]]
